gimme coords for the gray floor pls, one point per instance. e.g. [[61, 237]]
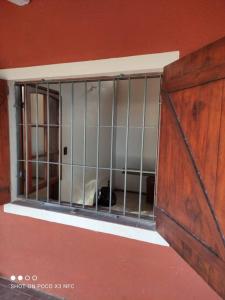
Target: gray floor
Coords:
[[132, 203], [8, 293]]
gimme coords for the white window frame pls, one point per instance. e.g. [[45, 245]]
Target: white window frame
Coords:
[[150, 63]]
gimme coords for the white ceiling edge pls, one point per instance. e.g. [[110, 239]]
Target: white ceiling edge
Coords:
[[20, 2], [148, 63]]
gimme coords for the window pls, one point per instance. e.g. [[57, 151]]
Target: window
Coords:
[[90, 144]]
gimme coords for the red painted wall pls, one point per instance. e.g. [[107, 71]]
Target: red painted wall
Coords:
[[55, 31], [101, 266]]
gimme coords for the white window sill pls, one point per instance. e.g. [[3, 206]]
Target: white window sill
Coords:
[[139, 234]]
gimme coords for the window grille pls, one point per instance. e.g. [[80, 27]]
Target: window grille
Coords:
[[90, 144]]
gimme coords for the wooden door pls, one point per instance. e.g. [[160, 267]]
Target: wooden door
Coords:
[[37, 119], [190, 207], [4, 144]]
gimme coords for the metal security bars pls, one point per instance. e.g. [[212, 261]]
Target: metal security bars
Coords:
[[90, 144]]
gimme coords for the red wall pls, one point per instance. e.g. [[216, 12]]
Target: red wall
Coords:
[[102, 266], [55, 31]]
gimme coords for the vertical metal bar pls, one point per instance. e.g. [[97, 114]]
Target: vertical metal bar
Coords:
[[26, 141], [48, 142], [97, 158], [111, 150], [84, 150], [126, 151], [71, 140], [37, 148], [142, 146], [60, 129], [157, 147]]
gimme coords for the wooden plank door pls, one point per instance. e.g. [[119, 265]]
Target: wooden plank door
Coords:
[[190, 207], [38, 98], [4, 144]]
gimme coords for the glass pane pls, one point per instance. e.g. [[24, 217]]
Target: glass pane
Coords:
[[42, 143], [150, 147], [66, 183], [37, 100], [136, 102], [132, 192], [79, 103], [54, 104], [91, 146], [78, 185], [21, 178], [90, 186], [78, 123], [119, 148], [32, 180], [148, 187], [41, 109], [66, 145], [134, 148], [53, 110], [32, 142], [53, 182], [92, 104], [104, 147], [42, 181], [106, 103], [152, 102], [117, 191], [104, 189], [121, 102], [78, 143], [33, 108], [66, 96], [54, 144]]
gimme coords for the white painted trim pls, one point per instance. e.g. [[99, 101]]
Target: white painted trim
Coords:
[[149, 63], [129, 232], [113, 66], [12, 138]]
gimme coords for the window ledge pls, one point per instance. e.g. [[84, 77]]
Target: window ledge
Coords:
[[72, 219]]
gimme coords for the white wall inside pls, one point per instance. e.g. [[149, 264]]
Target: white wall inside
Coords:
[[135, 130], [119, 143]]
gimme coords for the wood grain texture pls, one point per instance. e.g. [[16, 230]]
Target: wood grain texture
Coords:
[[199, 112], [4, 145], [205, 65], [206, 263], [179, 192], [191, 178], [220, 179]]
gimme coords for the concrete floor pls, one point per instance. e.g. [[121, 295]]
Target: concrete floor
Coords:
[[9, 293]]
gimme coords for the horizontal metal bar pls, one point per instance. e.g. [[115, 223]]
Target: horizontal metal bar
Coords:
[[87, 167], [90, 79], [116, 216], [101, 126]]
